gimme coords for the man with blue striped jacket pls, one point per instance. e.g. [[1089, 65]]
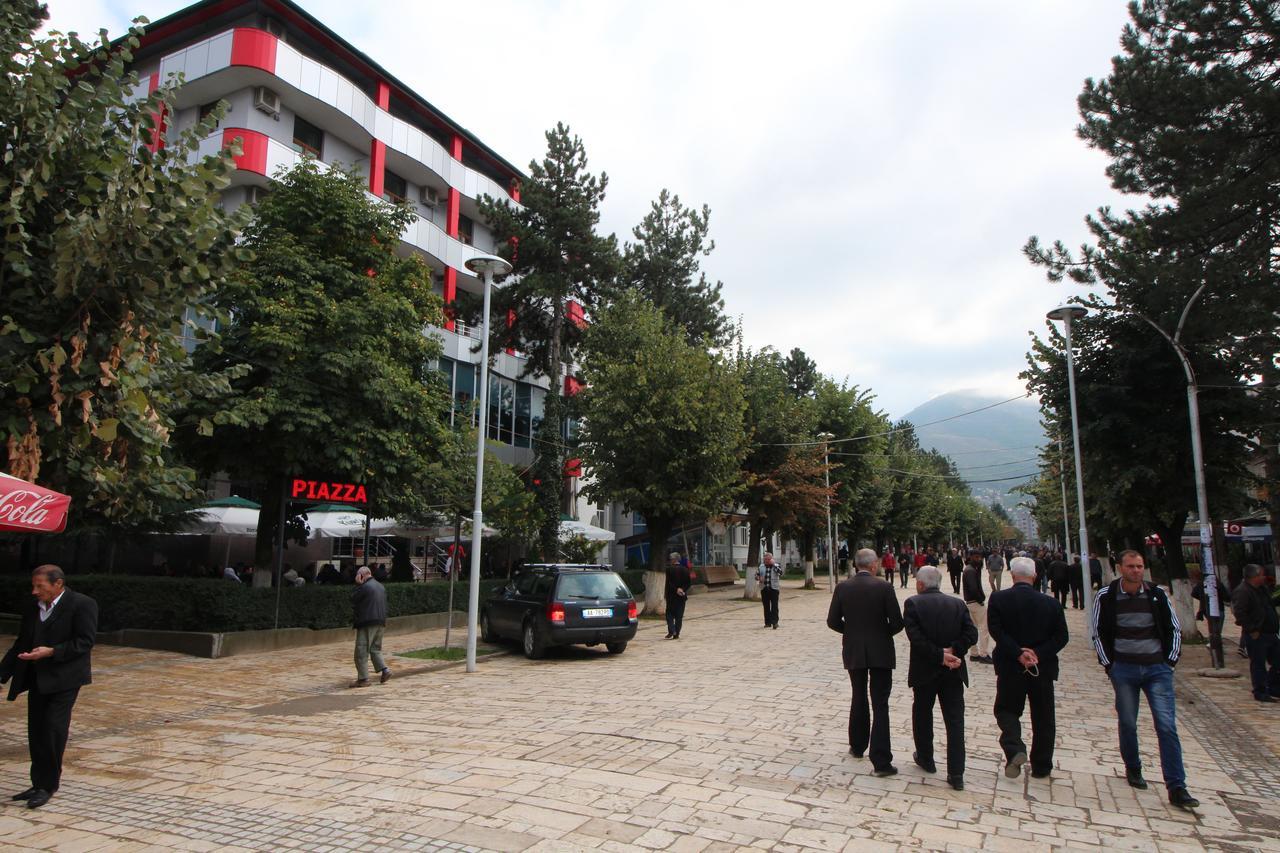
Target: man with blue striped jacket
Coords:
[[1138, 640]]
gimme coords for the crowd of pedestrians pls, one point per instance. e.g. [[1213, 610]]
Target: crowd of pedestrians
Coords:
[[1019, 630]]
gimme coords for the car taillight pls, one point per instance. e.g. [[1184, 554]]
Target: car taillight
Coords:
[[631, 609], [555, 612]]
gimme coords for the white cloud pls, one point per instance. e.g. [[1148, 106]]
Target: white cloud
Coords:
[[873, 168]]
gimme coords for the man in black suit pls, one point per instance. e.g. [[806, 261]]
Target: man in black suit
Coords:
[[940, 631], [865, 610], [50, 662], [1029, 628]]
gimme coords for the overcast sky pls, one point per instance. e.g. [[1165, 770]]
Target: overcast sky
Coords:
[[873, 168]]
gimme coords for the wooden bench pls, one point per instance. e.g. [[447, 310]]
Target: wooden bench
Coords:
[[715, 575]]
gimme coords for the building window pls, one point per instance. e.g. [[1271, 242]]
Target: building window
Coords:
[[206, 109], [394, 188], [466, 230], [501, 408], [524, 414], [464, 391], [307, 138]]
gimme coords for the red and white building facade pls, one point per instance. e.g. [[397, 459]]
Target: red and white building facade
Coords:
[[295, 88]]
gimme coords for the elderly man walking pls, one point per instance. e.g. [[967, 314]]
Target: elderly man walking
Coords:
[[865, 610], [369, 605], [1256, 615], [1029, 629], [940, 631], [769, 576]]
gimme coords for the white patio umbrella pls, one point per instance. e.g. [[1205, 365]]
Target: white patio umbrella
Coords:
[[233, 516], [332, 521], [573, 527]]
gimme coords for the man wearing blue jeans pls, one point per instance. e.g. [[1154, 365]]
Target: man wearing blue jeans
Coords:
[[1138, 641]]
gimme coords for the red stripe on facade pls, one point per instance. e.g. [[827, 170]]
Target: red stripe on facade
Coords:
[[455, 150], [253, 148], [377, 166], [384, 95], [157, 133], [450, 294], [254, 48]]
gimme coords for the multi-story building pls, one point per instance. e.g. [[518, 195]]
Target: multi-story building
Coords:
[[295, 88]]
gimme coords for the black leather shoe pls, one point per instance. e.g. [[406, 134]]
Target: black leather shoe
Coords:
[[1014, 768], [1265, 697], [887, 770], [1133, 775], [926, 766], [24, 795], [956, 782], [854, 753], [1180, 798], [39, 797], [1041, 773]]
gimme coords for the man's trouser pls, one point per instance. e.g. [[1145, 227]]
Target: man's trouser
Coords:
[[675, 614], [1155, 680], [995, 578], [1264, 664], [978, 613], [869, 722], [48, 724], [369, 645], [1013, 693], [769, 598], [949, 691]]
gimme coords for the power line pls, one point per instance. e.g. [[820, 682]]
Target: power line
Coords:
[[816, 443]]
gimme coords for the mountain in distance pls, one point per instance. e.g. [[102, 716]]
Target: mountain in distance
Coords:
[[999, 445]]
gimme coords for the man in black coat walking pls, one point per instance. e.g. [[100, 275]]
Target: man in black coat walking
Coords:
[[865, 610], [1029, 628], [50, 662], [940, 632]]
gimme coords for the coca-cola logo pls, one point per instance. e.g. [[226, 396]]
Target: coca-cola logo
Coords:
[[29, 509]]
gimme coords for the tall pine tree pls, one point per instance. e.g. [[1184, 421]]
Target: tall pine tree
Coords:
[[561, 270]]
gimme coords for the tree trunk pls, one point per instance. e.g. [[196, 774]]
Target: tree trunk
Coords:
[[808, 542], [750, 589], [1176, 574], [655, 579], [264, 544]]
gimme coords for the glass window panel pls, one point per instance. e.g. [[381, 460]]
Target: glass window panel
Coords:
[[524, 410], [464, 388], [537, 404], [506, 411]]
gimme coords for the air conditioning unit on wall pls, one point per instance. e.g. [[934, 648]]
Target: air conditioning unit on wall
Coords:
[[266, 101], [430, 196]]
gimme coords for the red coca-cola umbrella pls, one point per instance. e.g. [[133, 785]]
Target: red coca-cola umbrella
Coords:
[[28, 508]]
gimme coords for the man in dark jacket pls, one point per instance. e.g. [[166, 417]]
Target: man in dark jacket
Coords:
[[676, 591], [975, 600], [1058, 581], [940, 632], [955, 565], [50, 662], [865, 610], [1029, 629], [369, 603], [1138, 641], [1255, 613]]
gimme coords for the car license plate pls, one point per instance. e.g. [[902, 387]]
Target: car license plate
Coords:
[[597, 612]]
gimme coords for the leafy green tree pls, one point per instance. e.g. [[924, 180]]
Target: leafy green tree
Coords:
[[558, 259], [775, 422], [664, 266], [106, 244], [662, 432], [327, 326], [856, 454], [802, 373]]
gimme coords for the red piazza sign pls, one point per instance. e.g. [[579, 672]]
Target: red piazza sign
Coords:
[[323, 490]]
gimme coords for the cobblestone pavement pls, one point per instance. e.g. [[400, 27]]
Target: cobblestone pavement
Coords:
[[731, 737]]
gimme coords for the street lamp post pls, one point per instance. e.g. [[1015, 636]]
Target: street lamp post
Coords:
[[485, 266], [826, 476], [1066, 517], [1208, 570], [1067, 313]]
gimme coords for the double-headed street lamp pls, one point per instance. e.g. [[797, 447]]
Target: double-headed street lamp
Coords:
[[485, 266], [825, 437], [1067, 313], [1208, 571]]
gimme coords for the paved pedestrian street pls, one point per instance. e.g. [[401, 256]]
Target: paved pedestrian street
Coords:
[[732, 737]]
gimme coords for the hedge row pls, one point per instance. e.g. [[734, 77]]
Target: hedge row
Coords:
[[198, 604]]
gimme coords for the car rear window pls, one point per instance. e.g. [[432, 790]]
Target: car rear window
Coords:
[[594, 585]]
